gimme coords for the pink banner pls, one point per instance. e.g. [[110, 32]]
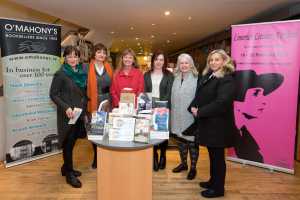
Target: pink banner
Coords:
[[267, 58]]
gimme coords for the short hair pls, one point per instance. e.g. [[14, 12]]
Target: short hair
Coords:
[[70, 49], [98, 47], [228, 66], [154, 57], [124, 53], [191, 62]]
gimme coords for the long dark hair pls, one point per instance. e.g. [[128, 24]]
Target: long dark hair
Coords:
[[154, 57]]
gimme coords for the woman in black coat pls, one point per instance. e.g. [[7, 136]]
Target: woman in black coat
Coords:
[[158, 81], [68, 92], [212, 108]]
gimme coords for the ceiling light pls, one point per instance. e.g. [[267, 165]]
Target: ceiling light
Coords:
[[122, 40], [112, 32], [152, 36], [153, 24], [189, 18], [131, 28], [174, 33], [167, 13], [137, 38], [138, 44], [168, 41]]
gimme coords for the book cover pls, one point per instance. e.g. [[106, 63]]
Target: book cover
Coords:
[[142, 130], [97, 125], [160, 122], [122, 129]]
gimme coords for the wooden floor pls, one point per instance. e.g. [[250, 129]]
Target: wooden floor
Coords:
[[41, 180]]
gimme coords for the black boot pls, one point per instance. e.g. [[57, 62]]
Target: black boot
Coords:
[[180, 168], [192, 174], [210, 193], [64, 172], [73, 180], [94, 164], [155, 160], [206, 184], [163, 159]]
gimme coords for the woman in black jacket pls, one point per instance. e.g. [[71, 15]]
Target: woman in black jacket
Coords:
[[158, 81], [212, 108], [68, 92]]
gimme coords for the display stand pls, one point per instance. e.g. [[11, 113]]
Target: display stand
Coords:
[[124, 170]]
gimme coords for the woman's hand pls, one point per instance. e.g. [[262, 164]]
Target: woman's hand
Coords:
[[194, 111], [69, 113]]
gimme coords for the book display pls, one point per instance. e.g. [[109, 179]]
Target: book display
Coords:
[[148, 121]]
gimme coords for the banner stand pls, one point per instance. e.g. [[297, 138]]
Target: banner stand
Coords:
[[8, 165], [272, 168], [30, 55]]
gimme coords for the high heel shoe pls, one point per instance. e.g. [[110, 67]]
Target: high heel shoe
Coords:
[[180, 168]]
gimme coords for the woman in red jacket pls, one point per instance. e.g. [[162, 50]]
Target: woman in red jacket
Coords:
[[127, 75]]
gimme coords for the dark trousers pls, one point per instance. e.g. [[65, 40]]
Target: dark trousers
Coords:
[[69, 143], [163, 148], [95, 153], [217, 168], [184, 147]]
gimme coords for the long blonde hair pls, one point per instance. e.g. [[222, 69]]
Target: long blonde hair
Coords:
[[124, 53], [227, 68], [191, 62]]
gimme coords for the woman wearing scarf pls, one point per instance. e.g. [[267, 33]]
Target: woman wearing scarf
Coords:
[[68, 92], [98, 84]]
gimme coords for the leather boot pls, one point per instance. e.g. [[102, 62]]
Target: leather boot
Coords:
[[72, 180]]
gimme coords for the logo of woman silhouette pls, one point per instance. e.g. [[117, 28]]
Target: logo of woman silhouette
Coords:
[[252, 90]]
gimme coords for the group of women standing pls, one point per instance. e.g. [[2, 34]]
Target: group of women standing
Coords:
[[200, 105]]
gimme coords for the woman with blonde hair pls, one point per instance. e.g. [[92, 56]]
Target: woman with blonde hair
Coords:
[[126, 76], [214, 126], [183, 91]]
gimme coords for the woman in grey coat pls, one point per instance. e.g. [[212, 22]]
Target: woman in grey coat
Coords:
[[183, 92]]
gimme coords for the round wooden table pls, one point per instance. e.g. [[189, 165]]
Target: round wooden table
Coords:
[[124, 169]]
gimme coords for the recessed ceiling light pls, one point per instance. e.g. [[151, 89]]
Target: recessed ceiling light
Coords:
[[189, 18], [138, 44], [152, 36], [174, 33], [112, 32], [153, 24], [168, 41], [137, 38], [131, 28], [167, 13]]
